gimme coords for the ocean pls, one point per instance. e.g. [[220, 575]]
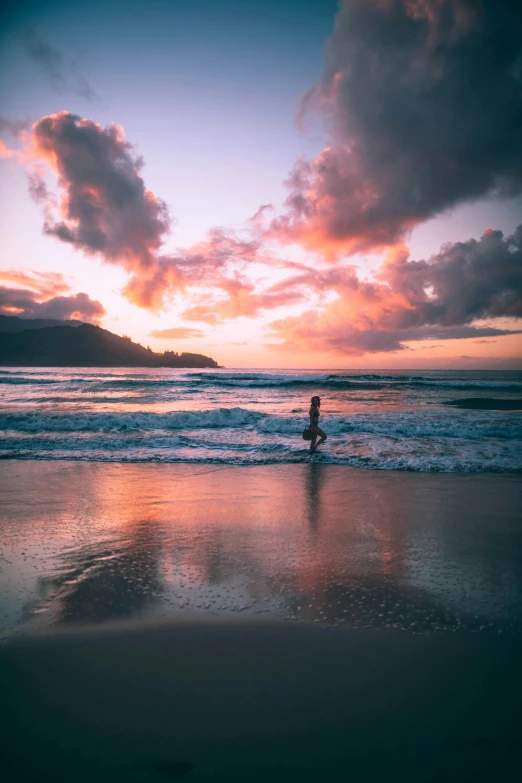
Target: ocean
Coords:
[[382, 420]]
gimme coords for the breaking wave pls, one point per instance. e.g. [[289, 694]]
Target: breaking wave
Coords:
[[397, 424], [442, 441]]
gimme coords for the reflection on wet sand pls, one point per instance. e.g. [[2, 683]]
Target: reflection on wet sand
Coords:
[[97, 584], [312, 543], [313, 478]]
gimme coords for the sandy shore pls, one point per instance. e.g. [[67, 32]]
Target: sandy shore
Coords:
[[298, 622], [260, 702]]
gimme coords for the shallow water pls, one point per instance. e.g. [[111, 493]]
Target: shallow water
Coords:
[[96, 544], [377, 419]]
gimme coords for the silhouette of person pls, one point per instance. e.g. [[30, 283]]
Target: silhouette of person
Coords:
[[314, 424]]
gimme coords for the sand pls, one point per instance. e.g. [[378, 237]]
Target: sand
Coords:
[[298, 622], [260, 702]]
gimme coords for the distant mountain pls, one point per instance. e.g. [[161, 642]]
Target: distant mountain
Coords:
[[85, 346], [11, 323]]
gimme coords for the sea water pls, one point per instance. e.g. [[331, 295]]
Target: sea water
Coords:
[[389, 419]]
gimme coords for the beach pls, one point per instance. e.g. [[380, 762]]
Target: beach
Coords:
[[261, 391], [283, 622]]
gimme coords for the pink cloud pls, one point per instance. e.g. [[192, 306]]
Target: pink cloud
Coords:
[[447, 297], [39, 295], [105, 210], [5, 152], [177, 332]]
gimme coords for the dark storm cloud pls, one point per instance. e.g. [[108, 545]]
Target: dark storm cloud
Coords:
[[423, 100], [466, 281], [79, 306], [61, 74], [444, 298]]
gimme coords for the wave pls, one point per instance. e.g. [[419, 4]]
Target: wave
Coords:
[[362, 382], [23, 380], [84, 400], [474, 425], [189, 381], [346, 381], [455, 384], [427, 441], [410, 424], [43, 421], [368, 452]]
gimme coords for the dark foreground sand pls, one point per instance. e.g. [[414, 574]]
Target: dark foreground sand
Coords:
[[249, 702], [306, 622]]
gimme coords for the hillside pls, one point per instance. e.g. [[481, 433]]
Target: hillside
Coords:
[[86, 346], [11, 323]]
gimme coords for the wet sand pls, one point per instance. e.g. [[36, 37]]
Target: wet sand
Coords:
[[298, 622]]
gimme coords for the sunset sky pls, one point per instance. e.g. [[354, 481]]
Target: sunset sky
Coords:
[[292, 183]]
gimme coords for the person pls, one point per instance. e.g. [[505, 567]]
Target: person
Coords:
[[314, 424]]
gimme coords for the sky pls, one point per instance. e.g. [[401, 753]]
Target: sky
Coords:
[[282, 184]]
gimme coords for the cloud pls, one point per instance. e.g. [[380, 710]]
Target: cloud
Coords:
[[314, 332], [45, 284], [61, 74], [106, 208], [5, 152], [465, 281], [107, 211], [423, 103], [207, 264], [447, 297], [260, 213], [37, 295], [240, 300], [200, 313], [14, 127], [38, 189], [177, 332]]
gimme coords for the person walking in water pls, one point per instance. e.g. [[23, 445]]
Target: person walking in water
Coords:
[[314, 424]]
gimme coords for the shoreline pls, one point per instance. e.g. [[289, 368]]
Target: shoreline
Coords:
[[306, 459]]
